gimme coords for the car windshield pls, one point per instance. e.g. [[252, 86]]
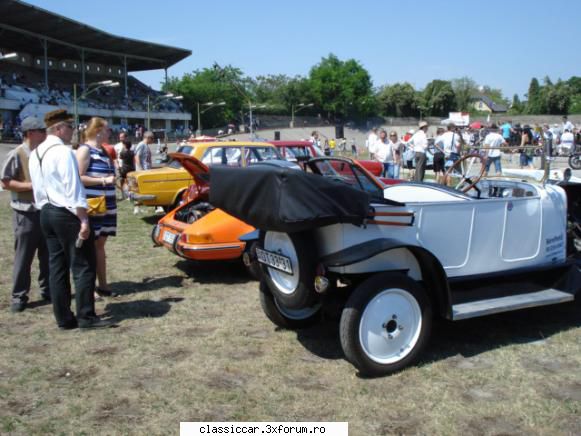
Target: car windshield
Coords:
[[346, 172], [259, 154], [185, 149], [293, 152]]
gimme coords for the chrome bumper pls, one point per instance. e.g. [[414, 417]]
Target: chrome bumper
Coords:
[[133, 196]]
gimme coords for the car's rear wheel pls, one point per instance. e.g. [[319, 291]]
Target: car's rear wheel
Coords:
[[283, 316], [296, 290], [385, 324]]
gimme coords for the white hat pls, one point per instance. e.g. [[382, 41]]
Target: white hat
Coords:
[[412, 131]]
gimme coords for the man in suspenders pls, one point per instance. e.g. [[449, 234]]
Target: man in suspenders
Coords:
[[28, 238], [60, 195]]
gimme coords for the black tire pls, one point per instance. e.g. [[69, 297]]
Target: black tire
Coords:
[[301, 249], [286, 318], [407, 324], [575, 161], [254, 268]]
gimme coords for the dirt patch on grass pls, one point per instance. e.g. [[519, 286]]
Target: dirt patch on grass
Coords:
[[399, 425], [566, 393], [74, 375], [176, 355], [198, 331], [107, 351], [225, 380], [494, 426], [117, 409], [19, 407]]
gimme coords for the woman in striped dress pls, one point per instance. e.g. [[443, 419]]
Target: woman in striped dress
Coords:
[[98, 176]]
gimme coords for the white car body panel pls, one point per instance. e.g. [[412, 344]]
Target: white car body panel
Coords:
[[524, 228]]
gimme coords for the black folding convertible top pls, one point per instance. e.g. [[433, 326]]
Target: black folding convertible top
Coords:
[[285, 200]]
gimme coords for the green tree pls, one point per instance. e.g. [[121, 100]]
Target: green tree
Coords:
[[341, 88], [535, 102], [575, 85], [438, 98], [516, 107], [556, 98], [398, 100], [465, 89], [211, 84]]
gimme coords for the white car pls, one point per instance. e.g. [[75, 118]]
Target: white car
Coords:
[[397, 256]]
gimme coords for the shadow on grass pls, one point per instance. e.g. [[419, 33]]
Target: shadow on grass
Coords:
[[464, 339], [147, 284], [140, 309], [221, 271], [151, 219]]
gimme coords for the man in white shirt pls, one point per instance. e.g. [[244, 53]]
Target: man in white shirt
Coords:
[[567, 125], [567, 142], [450, 142], [60, 196], [371, 143], [492, 142], [143, 152], [419, 142]]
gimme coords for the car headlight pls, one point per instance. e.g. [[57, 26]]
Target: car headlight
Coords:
[[132, 183]]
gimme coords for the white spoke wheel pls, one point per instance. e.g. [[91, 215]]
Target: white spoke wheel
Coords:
[[385, 324], [296, 290], [284, 317]]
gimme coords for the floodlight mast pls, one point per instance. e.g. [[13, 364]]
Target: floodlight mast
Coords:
[[157, 100], [91, 87]]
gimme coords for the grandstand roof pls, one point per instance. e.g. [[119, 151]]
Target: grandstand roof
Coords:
[[23, 26]]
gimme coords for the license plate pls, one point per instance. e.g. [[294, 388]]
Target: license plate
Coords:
[[274, 260], [169, 237]]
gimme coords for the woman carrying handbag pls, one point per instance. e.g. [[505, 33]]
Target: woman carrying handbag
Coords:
[[98, 176]]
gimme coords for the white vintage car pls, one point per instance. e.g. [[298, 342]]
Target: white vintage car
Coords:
[[397, 256]]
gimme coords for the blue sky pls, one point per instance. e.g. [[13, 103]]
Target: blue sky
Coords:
[[502, 44]]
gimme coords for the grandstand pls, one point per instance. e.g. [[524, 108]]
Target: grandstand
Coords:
[[56, 55]]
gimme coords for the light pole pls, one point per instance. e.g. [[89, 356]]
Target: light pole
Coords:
[[300, 106], [151, 105], [91, 87], [210, 105], [250, 107]]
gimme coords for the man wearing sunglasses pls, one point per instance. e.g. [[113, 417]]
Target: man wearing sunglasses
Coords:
[[60, 195], [28, 239]]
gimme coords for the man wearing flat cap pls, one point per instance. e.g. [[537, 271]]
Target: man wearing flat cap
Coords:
[[28, 239], [60, 195]]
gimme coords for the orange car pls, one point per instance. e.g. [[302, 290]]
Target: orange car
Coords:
[[197, 231]]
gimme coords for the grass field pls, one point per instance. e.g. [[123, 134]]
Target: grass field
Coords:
[[193, 345]]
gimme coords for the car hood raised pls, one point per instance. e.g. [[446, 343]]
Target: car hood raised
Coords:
[[193, 166]]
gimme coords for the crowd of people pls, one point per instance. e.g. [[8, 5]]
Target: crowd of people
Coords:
[[449, 144], [64, 204]]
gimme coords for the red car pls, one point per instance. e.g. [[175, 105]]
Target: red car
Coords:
[[297, 151]]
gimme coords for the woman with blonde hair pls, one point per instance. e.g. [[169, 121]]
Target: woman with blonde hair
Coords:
[[98, 176]]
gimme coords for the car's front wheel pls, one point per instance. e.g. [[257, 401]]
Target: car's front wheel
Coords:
[[285, 317], [385, 324]]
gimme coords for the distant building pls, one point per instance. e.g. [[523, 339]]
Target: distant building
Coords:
[[485, 104]]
